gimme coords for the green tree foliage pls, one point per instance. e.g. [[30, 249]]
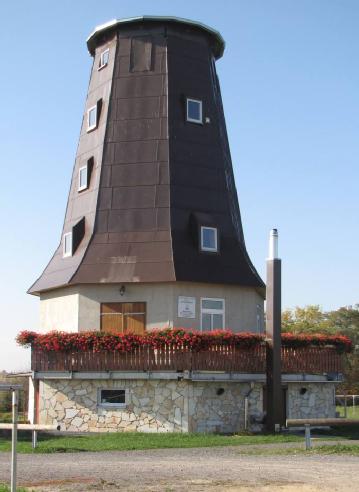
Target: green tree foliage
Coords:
[[345, 321]]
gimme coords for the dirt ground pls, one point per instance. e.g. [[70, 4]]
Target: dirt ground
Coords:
[[198, 469]]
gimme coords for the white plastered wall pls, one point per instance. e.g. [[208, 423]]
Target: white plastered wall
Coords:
[[59, 310], [78, 308]]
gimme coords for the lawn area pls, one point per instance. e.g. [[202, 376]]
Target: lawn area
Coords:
[[6, 418], [351, 449], [6, 488], [135, 440], [352, 412]]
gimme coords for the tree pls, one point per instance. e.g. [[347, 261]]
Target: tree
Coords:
[[345, 321], [309, 319]]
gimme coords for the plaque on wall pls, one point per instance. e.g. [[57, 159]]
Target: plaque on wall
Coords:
[[186, 307]]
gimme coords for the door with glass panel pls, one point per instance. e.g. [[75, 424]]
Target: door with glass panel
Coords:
[[123, 317], [212, 314]]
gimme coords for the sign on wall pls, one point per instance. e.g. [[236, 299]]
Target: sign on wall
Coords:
[[186, 307]]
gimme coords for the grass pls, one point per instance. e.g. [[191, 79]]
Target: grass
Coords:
[[127, 441], [135, 441], [347, 449], [6, 488], [352, 412], [6, 418]]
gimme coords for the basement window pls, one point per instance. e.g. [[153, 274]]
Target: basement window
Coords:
[[212, 314], [112, 397], [104, 57], [194, 110], [209, 239], [67, 244]]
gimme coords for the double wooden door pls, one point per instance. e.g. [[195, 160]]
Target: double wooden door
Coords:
[[123, 317]]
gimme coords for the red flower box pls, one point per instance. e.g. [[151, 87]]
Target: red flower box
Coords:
[[179, 338]]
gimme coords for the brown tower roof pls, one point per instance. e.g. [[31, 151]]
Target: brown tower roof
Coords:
[[153, 177]]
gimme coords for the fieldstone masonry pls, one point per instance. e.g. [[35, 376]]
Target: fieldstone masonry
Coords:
[[172, 406], [311, 400]]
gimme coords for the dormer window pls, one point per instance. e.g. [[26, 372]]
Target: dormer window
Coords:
[[71, 240], [104, 57], [194, 111], [82, 178], [85, 175], [67, 244], [209, 239], [92, 118]]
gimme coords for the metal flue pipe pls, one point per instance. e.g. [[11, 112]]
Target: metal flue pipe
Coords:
[[273, 337]]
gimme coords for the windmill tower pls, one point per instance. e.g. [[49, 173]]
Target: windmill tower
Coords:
[[152, 235]]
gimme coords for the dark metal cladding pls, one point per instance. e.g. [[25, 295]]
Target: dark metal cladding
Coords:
[[155, 178], [201, 172]]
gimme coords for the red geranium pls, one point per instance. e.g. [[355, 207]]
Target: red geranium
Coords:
[[178, 338]]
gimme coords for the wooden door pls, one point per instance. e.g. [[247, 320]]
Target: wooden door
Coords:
[[123, 317]]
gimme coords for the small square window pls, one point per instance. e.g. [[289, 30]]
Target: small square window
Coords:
[[67, 244], [112, 397], [92, 118], [83, 181], [104, 57], [209, 239], [194, 110]]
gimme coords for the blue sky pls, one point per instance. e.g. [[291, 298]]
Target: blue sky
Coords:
[[289, 79]]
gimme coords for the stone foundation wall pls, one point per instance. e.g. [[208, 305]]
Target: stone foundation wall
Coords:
[[172, 406], [219, 407], [310, 400], [151, 406]]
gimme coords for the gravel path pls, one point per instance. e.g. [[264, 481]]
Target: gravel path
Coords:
[[197, 469]]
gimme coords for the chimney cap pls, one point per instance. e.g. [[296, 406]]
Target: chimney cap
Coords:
[[218, 41]]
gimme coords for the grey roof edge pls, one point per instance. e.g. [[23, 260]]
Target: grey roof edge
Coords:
[[219, 43]]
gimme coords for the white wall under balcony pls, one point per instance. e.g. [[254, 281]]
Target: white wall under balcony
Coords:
[[77, 308]]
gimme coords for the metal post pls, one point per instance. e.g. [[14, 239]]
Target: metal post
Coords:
[[308, 442], [34, 439], [273, 338], [15, 400], [246, 413]]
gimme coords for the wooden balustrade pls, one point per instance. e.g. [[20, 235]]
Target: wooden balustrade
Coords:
[[312, 360]]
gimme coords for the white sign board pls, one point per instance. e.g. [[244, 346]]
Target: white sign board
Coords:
[[186, 307]]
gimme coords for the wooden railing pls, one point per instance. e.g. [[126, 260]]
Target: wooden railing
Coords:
[[312, 360]]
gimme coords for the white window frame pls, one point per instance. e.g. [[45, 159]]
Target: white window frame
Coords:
[[194, 120], [103, 64], [85, 186], [65, 253], [205, 248], [92, 127], [213, 311], [112, 405]]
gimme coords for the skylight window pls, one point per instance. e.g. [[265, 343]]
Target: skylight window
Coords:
[[209, 239], [194, 111], [104, 57]]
